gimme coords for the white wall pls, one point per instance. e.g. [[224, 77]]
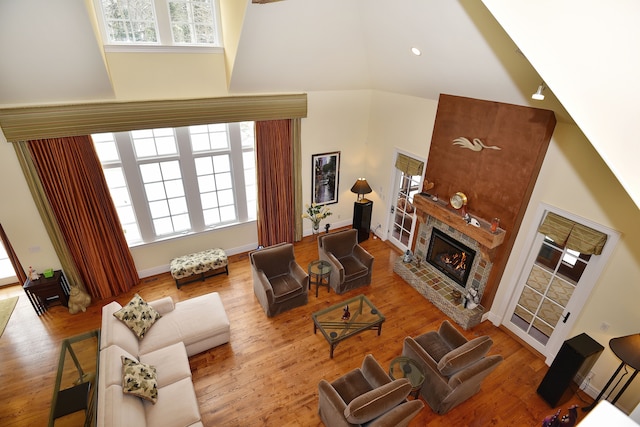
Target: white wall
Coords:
[[574, 178]]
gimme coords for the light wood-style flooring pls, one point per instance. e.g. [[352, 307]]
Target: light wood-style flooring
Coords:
[[268, 374]]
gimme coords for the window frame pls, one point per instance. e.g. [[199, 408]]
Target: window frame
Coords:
[[164, 34], [130, 163]]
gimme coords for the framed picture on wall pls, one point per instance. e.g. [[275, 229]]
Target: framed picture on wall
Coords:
[[325, 173]]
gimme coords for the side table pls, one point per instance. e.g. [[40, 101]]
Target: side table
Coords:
[[47, 291], [320, 275], [405, 367]]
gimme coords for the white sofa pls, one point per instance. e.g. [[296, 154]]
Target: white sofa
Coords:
[[185, 328]]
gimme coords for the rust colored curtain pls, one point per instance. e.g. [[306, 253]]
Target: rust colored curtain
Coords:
[[15, 262], [72, 179], [274, 169]]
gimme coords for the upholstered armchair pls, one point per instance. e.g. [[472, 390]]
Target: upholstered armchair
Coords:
[[454, 367], [279, 283], [352, 264], [366, 396]]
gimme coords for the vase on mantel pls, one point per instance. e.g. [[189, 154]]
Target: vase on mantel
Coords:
[[316, 227]]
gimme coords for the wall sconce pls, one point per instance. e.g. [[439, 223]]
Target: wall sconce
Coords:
[[361, 187], [538, 96]]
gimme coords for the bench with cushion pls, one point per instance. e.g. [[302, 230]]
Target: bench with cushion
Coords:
[[199, 265]]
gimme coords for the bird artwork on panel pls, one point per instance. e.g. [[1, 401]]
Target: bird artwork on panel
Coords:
[[476, 145]]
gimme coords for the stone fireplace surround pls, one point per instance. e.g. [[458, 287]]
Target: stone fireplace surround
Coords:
[[435, 285]]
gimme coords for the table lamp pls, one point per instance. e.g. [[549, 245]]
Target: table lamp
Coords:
[[361, 187]]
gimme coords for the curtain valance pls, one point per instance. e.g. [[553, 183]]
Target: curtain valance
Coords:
[[32, 123], [409, 165], [573, 235]]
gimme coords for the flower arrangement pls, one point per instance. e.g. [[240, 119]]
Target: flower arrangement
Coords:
[[316, 214]]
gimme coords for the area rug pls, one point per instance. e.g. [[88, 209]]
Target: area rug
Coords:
[[6, 308]]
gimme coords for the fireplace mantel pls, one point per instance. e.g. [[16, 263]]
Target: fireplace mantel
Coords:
[[442, 211]]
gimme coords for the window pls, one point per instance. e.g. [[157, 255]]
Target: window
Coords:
[[172, 181], [159, 22], [6, 268]]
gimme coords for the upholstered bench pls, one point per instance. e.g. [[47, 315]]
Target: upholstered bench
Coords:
[[198, 265]]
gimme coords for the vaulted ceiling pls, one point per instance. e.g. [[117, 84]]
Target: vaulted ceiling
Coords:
[[54, 56]]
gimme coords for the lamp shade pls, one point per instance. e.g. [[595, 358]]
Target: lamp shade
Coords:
[[361, 187]]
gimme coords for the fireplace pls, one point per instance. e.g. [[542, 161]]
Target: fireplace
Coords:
[[450, 256]]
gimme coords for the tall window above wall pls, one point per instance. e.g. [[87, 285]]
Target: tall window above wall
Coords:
[[156, 23], [174, 181]]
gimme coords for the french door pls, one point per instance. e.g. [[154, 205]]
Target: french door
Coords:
[[402, 221], [552, 287]]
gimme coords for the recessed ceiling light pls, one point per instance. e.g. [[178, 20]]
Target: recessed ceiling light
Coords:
[[416, 51]]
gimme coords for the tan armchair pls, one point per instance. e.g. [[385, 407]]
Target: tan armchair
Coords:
[[279, 283], [366, 396], [454, 367], [352, 265]]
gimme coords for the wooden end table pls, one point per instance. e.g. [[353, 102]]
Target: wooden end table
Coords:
[[47, 291]]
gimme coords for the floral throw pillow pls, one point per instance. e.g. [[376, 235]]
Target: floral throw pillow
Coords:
[[138, 316], [139, 379]]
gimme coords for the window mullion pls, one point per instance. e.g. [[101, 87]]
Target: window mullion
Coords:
[[237, 171], [190, 179], [134, 182], [164, 23]]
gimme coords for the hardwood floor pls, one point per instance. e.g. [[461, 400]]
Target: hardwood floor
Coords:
[[268, 374]]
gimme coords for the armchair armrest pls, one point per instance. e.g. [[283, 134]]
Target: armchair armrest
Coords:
[[266, 285], [331, 405], [400, 415], [337, 272], [465, 355], [363, 256], [479, 369], [299, 274], [373, 372]]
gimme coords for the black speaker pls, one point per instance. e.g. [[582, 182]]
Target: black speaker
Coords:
[[575, 359], [362, 219]]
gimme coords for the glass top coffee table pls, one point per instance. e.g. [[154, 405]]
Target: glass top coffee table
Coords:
[[336, 326]]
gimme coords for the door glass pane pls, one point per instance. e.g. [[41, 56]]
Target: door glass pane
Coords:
[[548, 289], [404, 211]]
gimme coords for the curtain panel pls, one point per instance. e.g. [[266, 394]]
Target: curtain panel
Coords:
[[274, 169], [46, 214], [15, 262], [72, 179], [573, 235]]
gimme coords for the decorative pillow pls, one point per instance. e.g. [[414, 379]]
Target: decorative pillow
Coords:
[[376, 402], [463, 356], [139, 379], [138, 316]]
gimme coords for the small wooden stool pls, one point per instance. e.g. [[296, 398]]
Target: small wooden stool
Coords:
[[199, 265]]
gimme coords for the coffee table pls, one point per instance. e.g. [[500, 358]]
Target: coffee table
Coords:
[[364, 316], [75, 393]]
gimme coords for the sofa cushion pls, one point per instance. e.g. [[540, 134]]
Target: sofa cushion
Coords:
[[163, 305], [114, 332], [111, 365], [120, 409], [177, 406], [376, 402], [464, 355], [191, 321], [138, 316], [139, 379], [172, 363]]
